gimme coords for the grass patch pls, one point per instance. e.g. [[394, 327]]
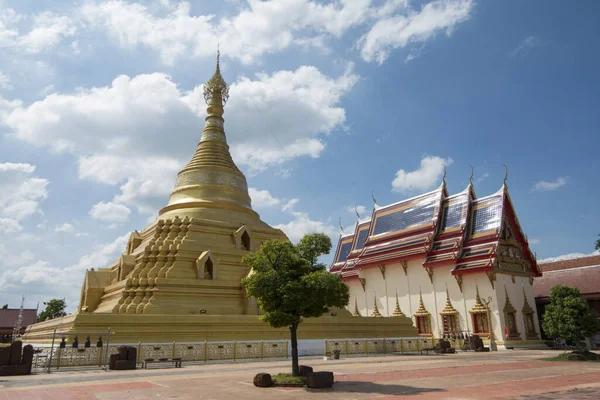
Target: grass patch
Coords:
[[587, 355], [288, 379]]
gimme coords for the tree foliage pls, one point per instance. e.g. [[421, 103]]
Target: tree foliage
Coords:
[[568, 315], [598, 243], [290, 284], [4, 307], [54, 308]]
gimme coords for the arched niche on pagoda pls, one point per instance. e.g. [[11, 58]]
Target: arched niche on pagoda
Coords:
[[206, 267], [243, 238]]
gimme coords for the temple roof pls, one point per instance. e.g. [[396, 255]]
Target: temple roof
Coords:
[[461, 230]]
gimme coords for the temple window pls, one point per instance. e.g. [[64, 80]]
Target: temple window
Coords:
[[423, 318], [510, 317], [529, 318], [450, 323], [449, 317], [423, 324], [479, 315], [246, 241], [480, 322]]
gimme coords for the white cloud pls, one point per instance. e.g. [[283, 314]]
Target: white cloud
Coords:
[[399, 29], [269, 120], [358, 208], [262, 198], [6, 107], [260, 27], [5, 82], [534, 241], [525, 47], [570, 256], [426, 177], [111, 212], [20, 194], [302, 225], [289, 206], [544, 186], [482, 178], [65, 228], [51, 281], [47, 30]]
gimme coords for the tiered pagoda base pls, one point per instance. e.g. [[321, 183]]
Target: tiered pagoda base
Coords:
[[157, 328]]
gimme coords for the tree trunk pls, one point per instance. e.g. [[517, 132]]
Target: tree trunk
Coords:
[[295, 366]]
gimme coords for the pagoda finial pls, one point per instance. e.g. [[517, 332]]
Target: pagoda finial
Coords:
[[356, 313], [472, 173], [341, 228], [356, 211], [397, 312], [506, 174], [444, 177], [373, 197], [216, 90], [375, 312]]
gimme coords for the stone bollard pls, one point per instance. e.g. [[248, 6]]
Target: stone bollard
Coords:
[[263, 380]]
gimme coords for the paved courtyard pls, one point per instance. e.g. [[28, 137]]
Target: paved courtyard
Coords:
[[501, 375]]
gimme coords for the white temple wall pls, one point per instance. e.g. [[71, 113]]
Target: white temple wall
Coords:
[[417, 281], [517, 299]]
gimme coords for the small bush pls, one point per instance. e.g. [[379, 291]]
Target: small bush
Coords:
[[288, 379]]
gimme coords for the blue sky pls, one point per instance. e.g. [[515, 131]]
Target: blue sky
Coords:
[[100, 106]]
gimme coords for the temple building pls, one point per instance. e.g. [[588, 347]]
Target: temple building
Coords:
[[179, 279], [455, 264]]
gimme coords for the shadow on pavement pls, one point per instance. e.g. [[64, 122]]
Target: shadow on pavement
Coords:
[[376, 388]]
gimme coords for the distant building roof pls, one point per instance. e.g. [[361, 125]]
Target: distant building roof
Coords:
[[9, 316], [582, 273]]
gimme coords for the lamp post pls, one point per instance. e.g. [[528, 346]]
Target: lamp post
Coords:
[[493, 346]]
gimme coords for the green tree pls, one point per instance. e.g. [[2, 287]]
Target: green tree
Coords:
[[4, 307], [598, 243], [568, 316], [290, 284], [54, 308]]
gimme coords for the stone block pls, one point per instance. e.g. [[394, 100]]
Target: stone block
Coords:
[[15, 353], [305, 370], [320, 380], [263, 380]]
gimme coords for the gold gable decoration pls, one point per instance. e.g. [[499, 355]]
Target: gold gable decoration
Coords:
[[375, 312], [356, 313], [526, 307], [421, 311], [397, 312], [478, 307], [448, 309], [508, 307]]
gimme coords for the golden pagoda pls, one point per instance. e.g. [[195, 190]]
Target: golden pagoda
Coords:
[[180, 278]]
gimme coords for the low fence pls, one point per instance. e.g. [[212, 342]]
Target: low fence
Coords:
[[57, 357], [385, 345], [53, 357]]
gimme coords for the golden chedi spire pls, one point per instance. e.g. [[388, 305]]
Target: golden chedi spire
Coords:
[[375, 312], [421, 310], [448, 308], [479, 307], [356, 313], [211, 178], [397, 312]]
